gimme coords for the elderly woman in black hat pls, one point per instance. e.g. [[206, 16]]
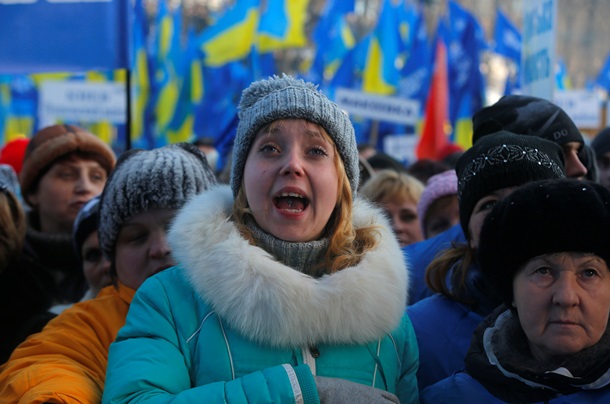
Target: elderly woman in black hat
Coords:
[[544, 250]]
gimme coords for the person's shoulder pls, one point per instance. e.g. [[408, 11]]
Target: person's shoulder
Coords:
[[437, 310], [460, 387], [454, 234]]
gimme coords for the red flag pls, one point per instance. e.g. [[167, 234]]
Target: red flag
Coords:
[[434, 135]]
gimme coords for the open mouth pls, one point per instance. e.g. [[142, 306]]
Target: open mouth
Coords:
[[291, 202]]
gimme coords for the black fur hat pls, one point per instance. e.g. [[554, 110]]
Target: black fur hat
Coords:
[[543, 217]]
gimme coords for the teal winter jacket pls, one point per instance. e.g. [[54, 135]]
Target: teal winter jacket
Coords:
[[232, 324]]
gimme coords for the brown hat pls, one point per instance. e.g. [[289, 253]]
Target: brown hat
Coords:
[[53, 142]]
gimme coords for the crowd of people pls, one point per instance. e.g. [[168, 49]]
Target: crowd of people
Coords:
[[312, 269]]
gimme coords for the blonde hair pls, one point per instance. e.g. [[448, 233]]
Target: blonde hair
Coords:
[[12, 227], [347, 245], [388, 185]]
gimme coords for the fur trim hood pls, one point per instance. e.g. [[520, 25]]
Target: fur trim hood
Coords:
[[270, 302]]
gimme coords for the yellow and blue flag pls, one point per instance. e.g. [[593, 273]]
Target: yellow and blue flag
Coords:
[[282, 25]]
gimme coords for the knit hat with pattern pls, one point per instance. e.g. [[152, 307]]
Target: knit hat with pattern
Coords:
[[285, 97], [165, 178], [500, 160], [53, 142]]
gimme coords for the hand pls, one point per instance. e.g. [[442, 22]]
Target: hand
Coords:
[[333, 390]]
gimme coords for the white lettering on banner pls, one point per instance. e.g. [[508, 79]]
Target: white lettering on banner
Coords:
[[382, 108], [583, 106], [82, 101]]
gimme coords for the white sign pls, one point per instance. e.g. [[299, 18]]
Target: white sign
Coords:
[[81, 101], [401, 147], [381, 108], [538, 52], [584, 107]]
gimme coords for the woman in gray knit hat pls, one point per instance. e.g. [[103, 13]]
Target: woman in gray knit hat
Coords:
[[289, 288], [67, 360]]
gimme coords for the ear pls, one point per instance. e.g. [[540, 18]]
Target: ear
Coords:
[[32, 199]]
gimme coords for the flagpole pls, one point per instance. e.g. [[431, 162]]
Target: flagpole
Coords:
[[128, 110]]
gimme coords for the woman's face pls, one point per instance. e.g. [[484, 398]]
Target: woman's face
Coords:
[[291, 180], [481, 210], [64, 189], [141, 247], [95, 266], [563, 301], [404, 219]]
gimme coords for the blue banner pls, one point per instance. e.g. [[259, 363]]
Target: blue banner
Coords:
[[63, 35]]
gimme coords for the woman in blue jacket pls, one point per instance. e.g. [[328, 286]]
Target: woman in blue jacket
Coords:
[[545, 252], [288, 288], [487, 172]]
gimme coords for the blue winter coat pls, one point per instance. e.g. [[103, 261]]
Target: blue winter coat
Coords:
[[420, 255], [231, 324]]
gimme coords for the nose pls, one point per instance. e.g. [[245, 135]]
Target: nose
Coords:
[[292, 164], [565, 291], [84, 184], [159, 247], [574, 167]]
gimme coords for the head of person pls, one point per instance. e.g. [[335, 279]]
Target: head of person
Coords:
[[545, 252], [383, 161], [494, 166], [12, 226], [295, 166], [96, 267], [398, 195], [438, 206], [206, 145], [423, 169], [138, 203], [601, 148], [532, 116], [64, 167]]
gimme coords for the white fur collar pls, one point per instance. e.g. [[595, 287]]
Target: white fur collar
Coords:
[[274, 304]]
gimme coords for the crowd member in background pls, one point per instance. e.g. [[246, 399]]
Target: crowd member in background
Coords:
[[438, 208], [398, 194], [12, 228], [288, 289], [8, 177], [366, 150], [601, 148], [487, 173], [63, 168], [206, 145], [382, 161], [544, 251], [96, 267], [423, 169], [522, 115], [13, 151], [66, 362]]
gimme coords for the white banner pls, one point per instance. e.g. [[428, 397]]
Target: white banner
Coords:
[[583, 106], [538, 51], [80, 101], [381, 108]]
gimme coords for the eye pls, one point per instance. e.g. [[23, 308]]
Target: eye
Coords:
[[98, 176], [319, 151], [407, 216], [542, 270], [268, 148], [92, 255], [66, 174], [589, 273]]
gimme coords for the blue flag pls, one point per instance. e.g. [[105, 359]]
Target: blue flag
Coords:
[[507, 38]]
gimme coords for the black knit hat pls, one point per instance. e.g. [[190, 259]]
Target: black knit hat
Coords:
[[165, 177], [601, 142], [500, 160], [86, 222], [526, 115], [543, 217]]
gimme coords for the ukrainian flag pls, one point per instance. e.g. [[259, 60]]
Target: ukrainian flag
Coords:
[[233, 35], [282, 25]]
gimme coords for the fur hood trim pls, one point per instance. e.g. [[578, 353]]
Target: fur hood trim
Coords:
[[271, 303]]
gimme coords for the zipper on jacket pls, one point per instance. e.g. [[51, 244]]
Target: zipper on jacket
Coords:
[[309, 357]]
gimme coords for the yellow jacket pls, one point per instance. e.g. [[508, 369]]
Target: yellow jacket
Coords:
[[66, 361]]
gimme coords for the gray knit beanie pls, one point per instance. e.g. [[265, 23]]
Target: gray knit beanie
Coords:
[[165, 177], [285, 97]]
